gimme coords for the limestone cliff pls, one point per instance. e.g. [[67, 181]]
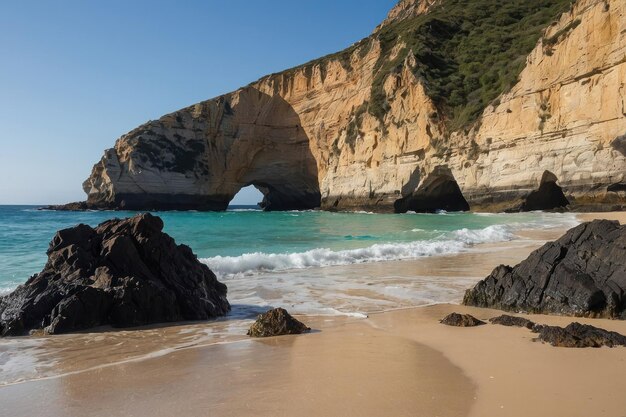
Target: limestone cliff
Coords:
[[373, 128]]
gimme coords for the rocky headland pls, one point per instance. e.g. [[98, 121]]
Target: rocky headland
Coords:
[[447, 105], [123, 273]]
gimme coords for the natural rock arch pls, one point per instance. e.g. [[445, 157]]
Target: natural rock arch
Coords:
[[280, 199], [438, 191], [201, 156]]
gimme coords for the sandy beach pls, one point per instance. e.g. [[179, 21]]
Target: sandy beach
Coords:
[[313, 210], [394, 363]]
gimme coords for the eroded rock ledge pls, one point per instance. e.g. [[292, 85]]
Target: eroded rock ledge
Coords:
[[122, 273], [581, 274]]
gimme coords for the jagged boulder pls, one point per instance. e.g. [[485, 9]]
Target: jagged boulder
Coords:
[[512, 321], [582, 274], [461, 320], [577, 335], [276, 322], [122, 273]]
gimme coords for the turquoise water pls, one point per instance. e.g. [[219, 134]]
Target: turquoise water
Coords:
[[245, 241]]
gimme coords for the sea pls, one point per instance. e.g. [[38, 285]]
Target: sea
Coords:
[[326, 268], [312, 262]]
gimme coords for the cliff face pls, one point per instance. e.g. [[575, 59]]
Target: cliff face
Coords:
[[566, 115], [361, 130]]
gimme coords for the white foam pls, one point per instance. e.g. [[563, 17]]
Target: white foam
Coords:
[[495, 233], [4, 290], [450, 243]]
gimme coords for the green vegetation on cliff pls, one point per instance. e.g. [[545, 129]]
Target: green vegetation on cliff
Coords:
[[468, 52]]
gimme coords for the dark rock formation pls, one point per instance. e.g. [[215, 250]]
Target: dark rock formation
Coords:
[[276, 322], [578, 335], [461, 320], [122, 273], [619, 144], [512, 321], [581, 274], [76, 206]]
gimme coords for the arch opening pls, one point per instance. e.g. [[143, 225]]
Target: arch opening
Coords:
[[271, 198], [548, 196], [285, 198], [438, 192], [249, 196]]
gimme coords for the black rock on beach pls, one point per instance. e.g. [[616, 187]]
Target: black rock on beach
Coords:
[[461, 320], [581, 274], [122, 273], [512, 321], [577, 335], [276, 322]]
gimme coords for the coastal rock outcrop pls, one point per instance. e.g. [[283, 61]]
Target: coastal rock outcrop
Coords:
[[577, 335], [581, 274], [461, 320], [276, 322], [416, 116], [122, 273]]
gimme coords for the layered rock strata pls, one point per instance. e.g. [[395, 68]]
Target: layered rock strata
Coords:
[[355, 131], [581, 274], [122, 273]]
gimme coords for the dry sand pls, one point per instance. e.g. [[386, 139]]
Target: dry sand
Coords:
[[398, 363]]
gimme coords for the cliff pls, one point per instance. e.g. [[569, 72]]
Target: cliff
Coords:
[[447, 105]]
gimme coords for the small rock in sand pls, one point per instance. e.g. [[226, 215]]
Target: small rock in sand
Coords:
[[276, 322], [461, 320], [578, 335], [506, 320]]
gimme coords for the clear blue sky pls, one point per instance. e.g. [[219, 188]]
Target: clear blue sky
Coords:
[[76, 75]]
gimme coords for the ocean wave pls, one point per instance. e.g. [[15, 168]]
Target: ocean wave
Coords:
[[449, 243], [7, 289]]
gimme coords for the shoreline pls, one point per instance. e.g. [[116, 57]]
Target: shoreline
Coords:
[[400, 362], [395, 362]]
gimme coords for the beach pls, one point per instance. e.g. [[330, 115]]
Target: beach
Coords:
[[400, 362], [322, 219]]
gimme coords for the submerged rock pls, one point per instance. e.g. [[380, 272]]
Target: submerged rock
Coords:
[[578, 335], [513, 321], [122, 273], [276, 322], [461, 320], [582, 274]]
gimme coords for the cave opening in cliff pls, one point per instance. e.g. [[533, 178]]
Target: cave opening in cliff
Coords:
[[548, 196], [247, 197], [269, 197], [439, 192]]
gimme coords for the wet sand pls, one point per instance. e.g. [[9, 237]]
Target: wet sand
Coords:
[[395, 363], [345, 369]]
